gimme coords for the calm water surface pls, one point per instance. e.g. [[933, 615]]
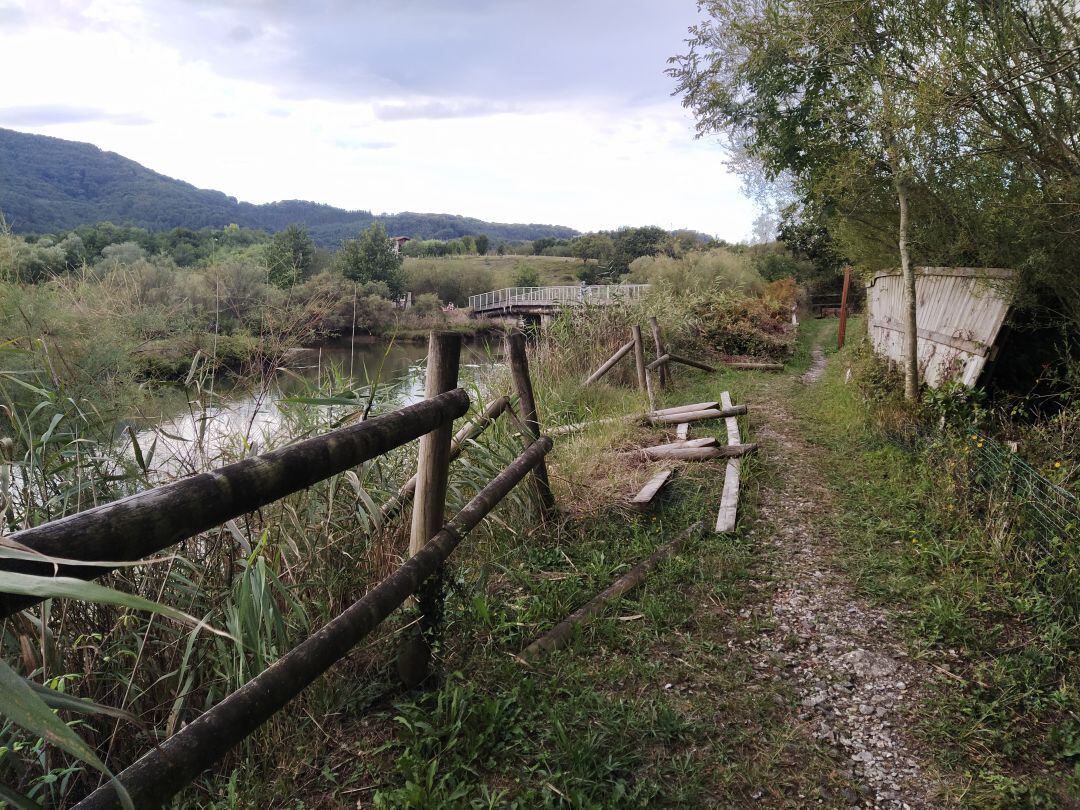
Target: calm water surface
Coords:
[[247, 422]]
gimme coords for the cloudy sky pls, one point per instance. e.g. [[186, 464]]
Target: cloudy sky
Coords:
[[511, 110]]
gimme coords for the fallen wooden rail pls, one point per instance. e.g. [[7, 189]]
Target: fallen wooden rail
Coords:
[[748, 366], [729, 499], [558, 636], [142, 524], [624, 350], [675, 358], [683, 452], [696, 416], [162, 772]]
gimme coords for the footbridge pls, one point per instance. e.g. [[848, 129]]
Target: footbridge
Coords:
[[549, 300]]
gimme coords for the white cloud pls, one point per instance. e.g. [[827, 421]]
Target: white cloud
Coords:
[[596, 159]]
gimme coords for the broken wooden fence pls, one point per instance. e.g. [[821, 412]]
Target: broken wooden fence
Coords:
[[138, 526]]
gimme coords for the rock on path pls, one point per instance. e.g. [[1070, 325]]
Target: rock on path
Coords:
[[856, 687]]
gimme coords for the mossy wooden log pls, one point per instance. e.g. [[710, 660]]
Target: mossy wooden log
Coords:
[[662, 453], [518, 360], [429, 506], [696, 416], [560, 635], [145, 523], [624, 350], [166, 769]]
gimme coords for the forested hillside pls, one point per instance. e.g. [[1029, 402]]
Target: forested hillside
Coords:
[[49, 185]]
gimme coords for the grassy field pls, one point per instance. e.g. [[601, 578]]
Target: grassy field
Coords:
[[552, 270]]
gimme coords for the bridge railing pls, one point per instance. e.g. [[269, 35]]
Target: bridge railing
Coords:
[[567, 295], [135, 527]]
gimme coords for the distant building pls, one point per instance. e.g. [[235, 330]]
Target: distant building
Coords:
[[399, 242]]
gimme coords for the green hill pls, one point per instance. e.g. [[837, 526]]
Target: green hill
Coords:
[[49, 185]]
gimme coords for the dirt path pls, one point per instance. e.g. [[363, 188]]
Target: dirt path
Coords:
[[856, 688]]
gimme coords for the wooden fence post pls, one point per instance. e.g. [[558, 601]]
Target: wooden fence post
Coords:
[[429, 505], [518, 360], [658, 344], [842, 331], [639, 360]]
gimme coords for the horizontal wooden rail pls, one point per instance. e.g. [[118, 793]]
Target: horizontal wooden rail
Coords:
[[162, 772], [142, 524]]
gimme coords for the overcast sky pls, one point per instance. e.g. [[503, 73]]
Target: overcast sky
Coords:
[[510, 110]]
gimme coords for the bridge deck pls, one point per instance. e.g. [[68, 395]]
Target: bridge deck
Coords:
[[540, 298]]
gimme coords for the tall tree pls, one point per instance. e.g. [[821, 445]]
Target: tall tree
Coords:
[[828, 94], [290, 256], [372, 258]]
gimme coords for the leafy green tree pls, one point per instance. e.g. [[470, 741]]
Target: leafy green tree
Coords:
[[632, 243], [482, 244], [372, 258], [290, 256]]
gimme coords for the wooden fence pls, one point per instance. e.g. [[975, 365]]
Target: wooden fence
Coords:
[[138, 526]]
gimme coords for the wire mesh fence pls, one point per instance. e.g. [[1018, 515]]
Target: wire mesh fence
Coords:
[[1039, 509]]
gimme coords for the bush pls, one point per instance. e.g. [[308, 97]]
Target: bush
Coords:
[[716, 269]]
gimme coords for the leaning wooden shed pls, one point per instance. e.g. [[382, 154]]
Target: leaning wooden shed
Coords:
[[960, 313]]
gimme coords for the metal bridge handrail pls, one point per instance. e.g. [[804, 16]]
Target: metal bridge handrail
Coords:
[[565, 294]]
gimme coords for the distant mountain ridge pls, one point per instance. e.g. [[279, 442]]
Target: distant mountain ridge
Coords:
[[49, 184]]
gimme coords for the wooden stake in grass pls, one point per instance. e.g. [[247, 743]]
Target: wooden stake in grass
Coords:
[[609, 363], [519, 372], [558, 636], [639, 361], [432, 477]]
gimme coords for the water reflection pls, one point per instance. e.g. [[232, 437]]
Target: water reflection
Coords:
[[246, 422]]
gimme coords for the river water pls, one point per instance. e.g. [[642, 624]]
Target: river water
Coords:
[[245, 421]]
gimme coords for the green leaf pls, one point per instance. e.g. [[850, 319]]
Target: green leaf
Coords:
[[28, 711], [70, 588], [58, 700]]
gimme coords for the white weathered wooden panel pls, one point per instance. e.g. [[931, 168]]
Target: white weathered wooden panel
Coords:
[[960, 312], [729, 498]]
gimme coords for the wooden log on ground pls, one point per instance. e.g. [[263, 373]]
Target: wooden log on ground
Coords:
[[558, 636], [696, 406], [704, 441], [639, 360], [660, 453], [172, 764], [652, 486], [696, 416], [658, 344], [519, 372], [682, 431], [748, 366], [142, 524], [609, 364], [729, 499]]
